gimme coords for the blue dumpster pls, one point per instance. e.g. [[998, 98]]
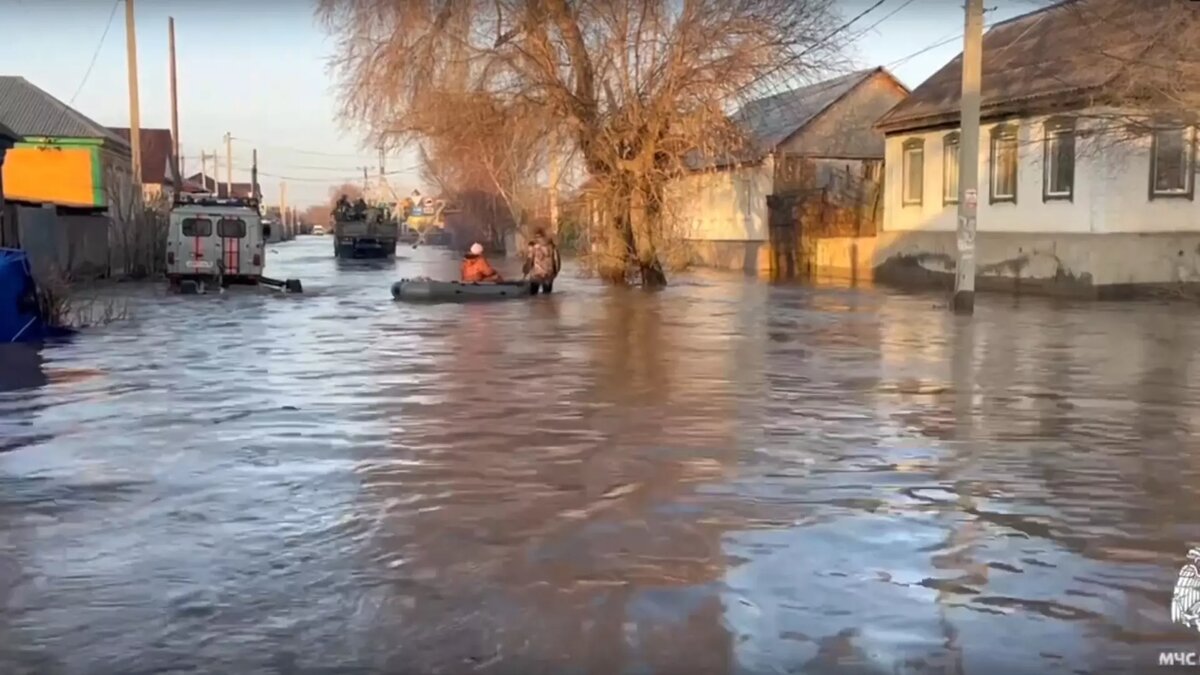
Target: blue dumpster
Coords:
[[19, 320]]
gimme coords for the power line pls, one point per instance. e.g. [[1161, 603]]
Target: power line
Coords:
[[887, 16], [96, 53], [268, 146]]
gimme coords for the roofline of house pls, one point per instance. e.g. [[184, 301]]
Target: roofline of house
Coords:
[[877, 70], [1024, 106]]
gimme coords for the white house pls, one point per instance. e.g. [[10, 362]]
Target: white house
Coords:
[[721, 210], [1072, 197]]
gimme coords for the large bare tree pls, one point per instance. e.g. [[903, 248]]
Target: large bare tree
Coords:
[[642, 87]]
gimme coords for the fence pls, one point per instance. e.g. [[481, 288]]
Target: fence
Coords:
[[820, 199]]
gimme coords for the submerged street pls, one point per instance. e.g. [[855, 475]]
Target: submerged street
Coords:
[[722, 477]]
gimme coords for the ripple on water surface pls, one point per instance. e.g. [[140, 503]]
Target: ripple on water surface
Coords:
[[721, 477]]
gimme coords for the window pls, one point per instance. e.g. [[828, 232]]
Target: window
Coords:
[[231, 228], [1172, 157], [1058, 181], [196, 227], [950, 154], [1004, 164], [913, 168]]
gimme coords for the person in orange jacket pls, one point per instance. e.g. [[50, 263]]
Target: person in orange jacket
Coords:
[[475, 267]]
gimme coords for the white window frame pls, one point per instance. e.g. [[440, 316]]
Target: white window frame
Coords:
[[1004, 133], [1189, 164], [1056, 130], [911, 147], [951, 140]]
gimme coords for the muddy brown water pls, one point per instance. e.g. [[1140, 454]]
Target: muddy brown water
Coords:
[[722, 477]]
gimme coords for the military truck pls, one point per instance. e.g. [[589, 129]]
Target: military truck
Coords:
[[360, 231]]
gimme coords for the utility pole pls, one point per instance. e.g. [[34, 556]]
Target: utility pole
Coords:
[[283, 202], [229, 165], [204, 170], [135, 122], [178, 161], [216, 174], [968, 163]]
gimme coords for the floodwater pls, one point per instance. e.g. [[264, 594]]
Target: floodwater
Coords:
[[722, 477]]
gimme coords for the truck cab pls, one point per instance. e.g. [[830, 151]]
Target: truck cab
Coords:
[[216, 239]]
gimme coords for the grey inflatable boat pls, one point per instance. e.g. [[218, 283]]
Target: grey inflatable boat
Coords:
[[428, 290]]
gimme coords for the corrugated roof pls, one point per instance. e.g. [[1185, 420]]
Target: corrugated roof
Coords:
[[1068, 50], [29, 111], [5, 132], [157, 149], [770, 121]]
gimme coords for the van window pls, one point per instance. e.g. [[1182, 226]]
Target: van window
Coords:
[[231, 228], [197, 227]]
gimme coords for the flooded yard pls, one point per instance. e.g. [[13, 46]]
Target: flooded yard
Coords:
[[722, 477]]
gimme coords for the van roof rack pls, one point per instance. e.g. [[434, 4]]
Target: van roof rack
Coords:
[[210, 200]]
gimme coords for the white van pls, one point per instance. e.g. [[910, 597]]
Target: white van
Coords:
[[216, 239]]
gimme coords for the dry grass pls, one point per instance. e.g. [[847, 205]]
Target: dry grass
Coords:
[[62, 305]]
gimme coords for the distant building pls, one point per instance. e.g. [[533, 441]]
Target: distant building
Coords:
[[158, 161], [722, 207], [1058, 210]]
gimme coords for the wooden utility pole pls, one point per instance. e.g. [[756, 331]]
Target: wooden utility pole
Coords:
[[228, 165], [968, 162], [135, 122], [177, 160]]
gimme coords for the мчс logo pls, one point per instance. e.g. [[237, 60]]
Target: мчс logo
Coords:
[[1185, 604]]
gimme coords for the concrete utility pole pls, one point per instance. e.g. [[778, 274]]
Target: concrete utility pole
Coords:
[[968, 163], [283, 202], [216, 173], [135, 122], [229, 165], [204, 169], [178, 161]]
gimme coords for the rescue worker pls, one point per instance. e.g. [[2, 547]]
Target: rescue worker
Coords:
[[342, 209], [475, 267], [542, 263]]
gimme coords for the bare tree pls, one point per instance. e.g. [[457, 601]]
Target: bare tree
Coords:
[[642, 87], [138, 238], [485, 155]]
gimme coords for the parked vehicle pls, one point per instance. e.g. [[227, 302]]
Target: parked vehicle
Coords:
[[318, 230]]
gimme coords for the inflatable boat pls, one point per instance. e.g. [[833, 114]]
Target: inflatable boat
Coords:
[[429, 290]]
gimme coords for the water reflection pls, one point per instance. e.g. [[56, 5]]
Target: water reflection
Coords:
[[724, 477]]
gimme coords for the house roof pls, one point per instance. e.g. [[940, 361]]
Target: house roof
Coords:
[[157, 150], [1063, 54], [770, 121], [206, 183], [31, 112]]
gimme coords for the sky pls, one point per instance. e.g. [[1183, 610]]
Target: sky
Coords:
[[257, 69]]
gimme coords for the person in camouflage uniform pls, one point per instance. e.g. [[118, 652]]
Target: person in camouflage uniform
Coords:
[[542, 263]]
